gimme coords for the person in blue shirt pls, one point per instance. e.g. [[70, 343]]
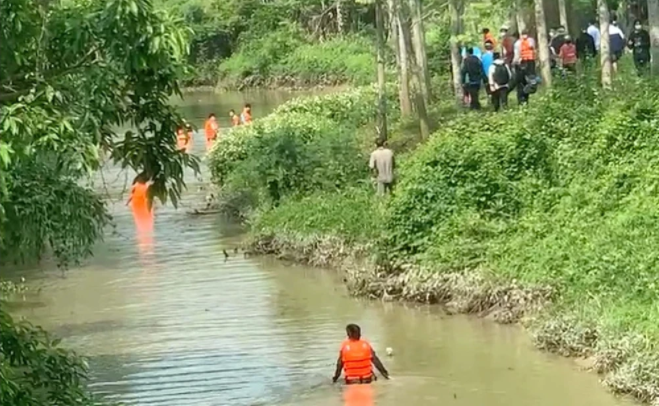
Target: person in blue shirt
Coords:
[[487, 58]]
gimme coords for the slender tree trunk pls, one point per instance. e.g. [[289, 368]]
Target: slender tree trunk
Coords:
[[521, 18], [455, 11], [562, 12], [653, 20], [382, 96], [543, 43], [512, 23], [605, 43], [339, 17], [419, 41], [402, 59]]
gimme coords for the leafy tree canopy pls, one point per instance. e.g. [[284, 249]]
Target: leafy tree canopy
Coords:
[[72, 74]]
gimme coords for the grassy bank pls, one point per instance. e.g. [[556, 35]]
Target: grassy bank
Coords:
[[545, 215], [288, 58]]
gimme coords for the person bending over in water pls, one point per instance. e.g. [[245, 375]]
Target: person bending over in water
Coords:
[[356, 359]]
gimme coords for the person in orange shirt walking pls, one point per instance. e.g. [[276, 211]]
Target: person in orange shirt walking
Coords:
[[211, 128], [235, 118], [356, 359], [246, 116]]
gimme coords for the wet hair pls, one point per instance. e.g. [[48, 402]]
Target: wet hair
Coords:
[[470, 50], [141, 178], [247, 105], [211, 115], [525, 31], [486, 31], [353, 331], [379, 142]]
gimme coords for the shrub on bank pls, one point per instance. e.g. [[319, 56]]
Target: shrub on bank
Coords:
[[347, 59], [306, 145], [285, 57]]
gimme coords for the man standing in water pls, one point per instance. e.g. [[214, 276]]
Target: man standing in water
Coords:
[[382, 163], [356, 359]]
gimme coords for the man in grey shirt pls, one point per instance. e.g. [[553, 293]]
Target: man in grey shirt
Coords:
[[382, 163]]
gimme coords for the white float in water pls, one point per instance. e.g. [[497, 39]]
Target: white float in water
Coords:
[[390, 351]]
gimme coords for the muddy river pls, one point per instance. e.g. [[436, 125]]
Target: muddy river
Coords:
[[168, 319]]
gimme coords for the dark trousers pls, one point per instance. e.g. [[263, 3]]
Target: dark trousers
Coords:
[[525, 68], [642, 65], [473, 91], [500, 98]]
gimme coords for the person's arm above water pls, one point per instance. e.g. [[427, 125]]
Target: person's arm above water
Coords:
[[339, 368], [379, 366]]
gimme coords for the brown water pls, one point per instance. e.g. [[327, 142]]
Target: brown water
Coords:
[[170, 321]]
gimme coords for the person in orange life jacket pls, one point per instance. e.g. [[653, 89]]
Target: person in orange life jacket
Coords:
[[246, 115], [356, 359], [235, 118], [567, 55], [524, 62], [472, 76], [487, 36]]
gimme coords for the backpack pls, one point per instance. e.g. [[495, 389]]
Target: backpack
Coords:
[[501, 75], [531, 85]]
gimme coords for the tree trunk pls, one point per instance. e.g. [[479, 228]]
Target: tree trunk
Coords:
[[419, 44], [562, 12], [339, 17], [653, 21], [543, 43], [521, 19], [605, 43], [382, 96], [402, 59], [455, 11]]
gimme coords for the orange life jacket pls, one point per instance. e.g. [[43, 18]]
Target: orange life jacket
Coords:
[[139, 196], [568, 54], [357, 356], [527, 52], [210, 129], [235, 120]]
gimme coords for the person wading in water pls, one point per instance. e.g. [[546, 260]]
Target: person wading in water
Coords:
[[356, 359]]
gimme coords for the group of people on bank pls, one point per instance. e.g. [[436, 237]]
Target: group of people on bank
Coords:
[[185, 133], [509, 62]]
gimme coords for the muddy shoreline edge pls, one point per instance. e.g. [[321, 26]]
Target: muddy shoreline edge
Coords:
[[626, 365]]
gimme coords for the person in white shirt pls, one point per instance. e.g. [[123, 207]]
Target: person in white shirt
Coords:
[[499, 77], [617, 43], [594, 32]]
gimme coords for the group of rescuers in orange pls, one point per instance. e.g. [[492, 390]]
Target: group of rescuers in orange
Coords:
[[185, 133], [139, 200]]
